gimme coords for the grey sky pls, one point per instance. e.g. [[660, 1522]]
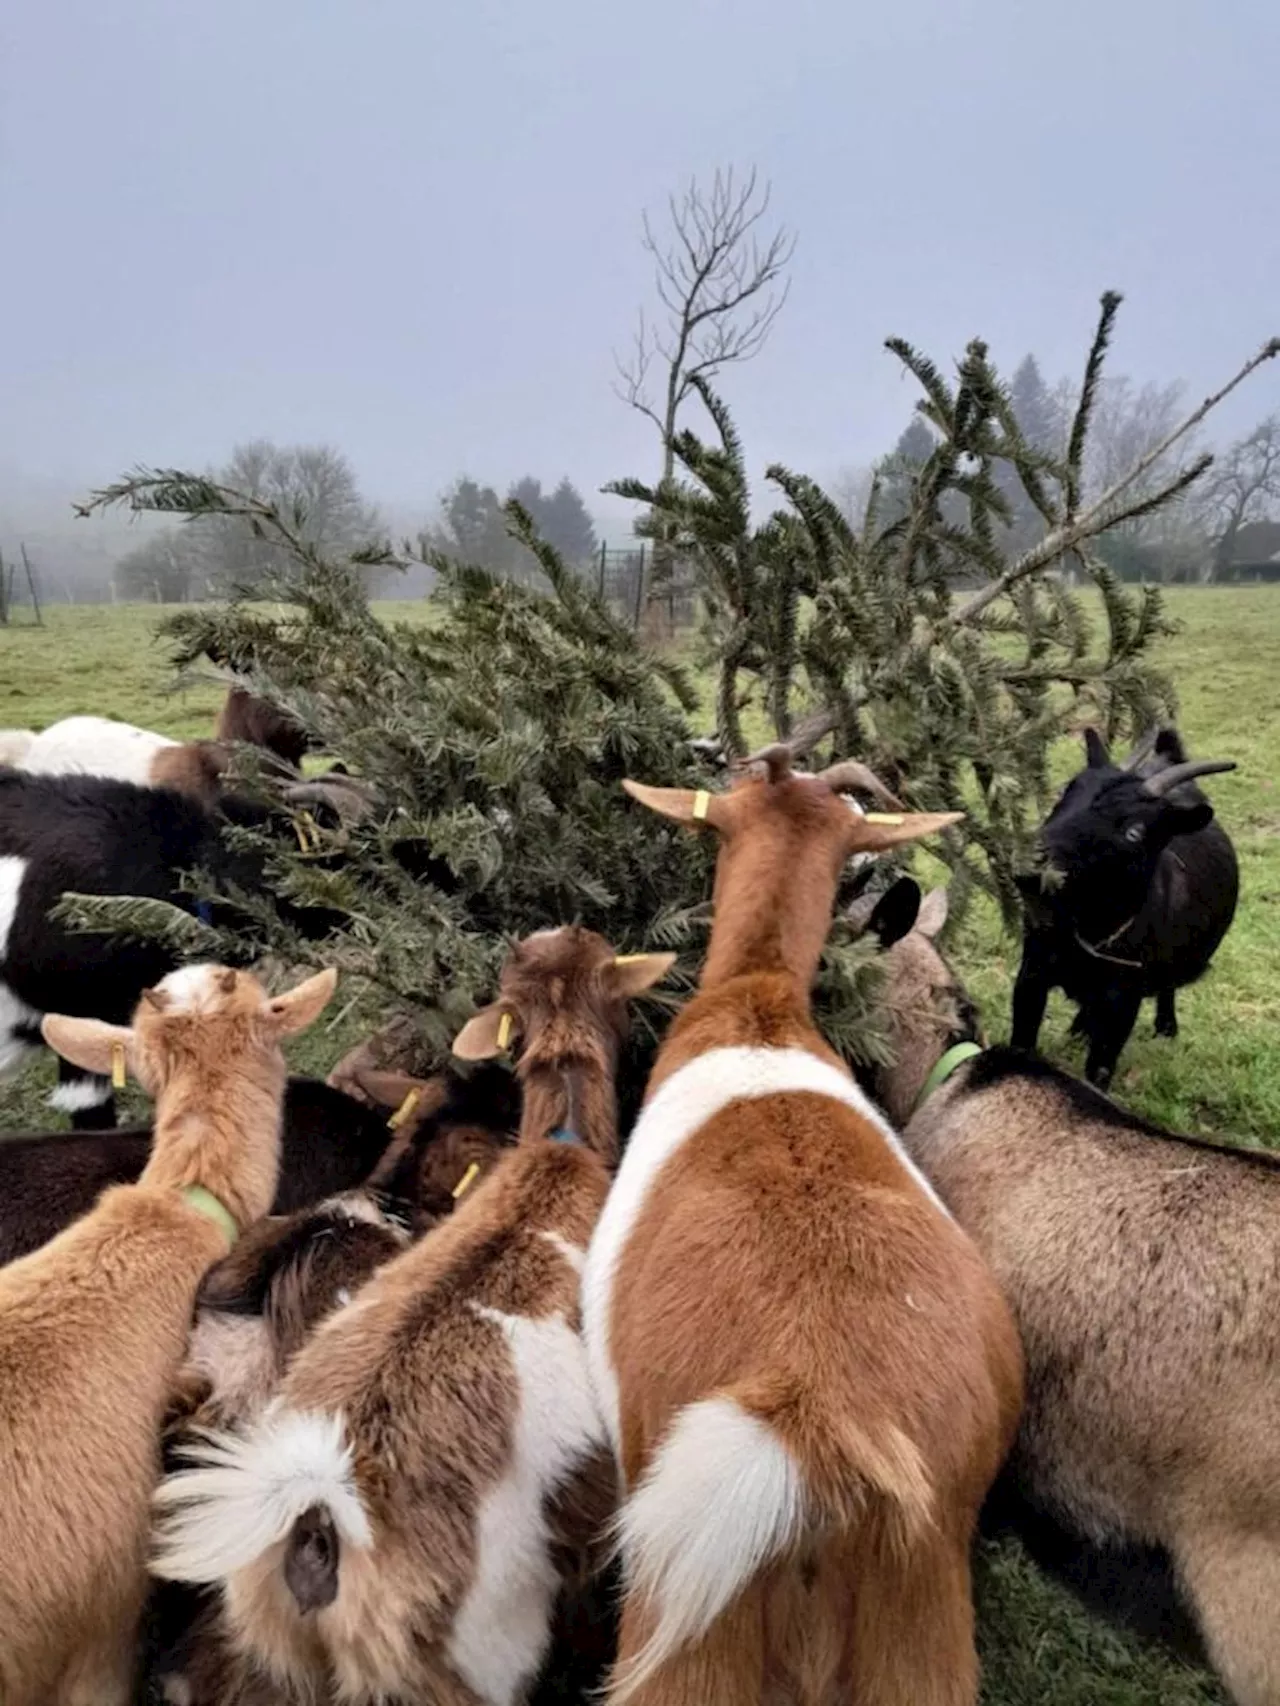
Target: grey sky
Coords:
[[412, 229]]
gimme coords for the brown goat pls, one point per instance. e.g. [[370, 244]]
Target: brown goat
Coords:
[[93, 1326], [809, 1375], [398, 1524], [247, 717]]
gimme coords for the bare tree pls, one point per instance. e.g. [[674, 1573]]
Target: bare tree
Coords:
[[1243, 486], [851, 488], [720, 279]]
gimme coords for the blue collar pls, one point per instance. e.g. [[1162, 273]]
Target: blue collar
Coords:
[[562, 1134], [204, 911]]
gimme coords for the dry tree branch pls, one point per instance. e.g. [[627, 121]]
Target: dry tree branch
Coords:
[[1108, 509]]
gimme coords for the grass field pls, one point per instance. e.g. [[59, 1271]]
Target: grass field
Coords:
[[1222, 1075]]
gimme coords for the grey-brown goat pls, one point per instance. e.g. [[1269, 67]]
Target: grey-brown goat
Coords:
[[1142, 1270]]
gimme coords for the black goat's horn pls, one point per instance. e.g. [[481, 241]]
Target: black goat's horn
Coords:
[[1142, 749], [1163, 780]]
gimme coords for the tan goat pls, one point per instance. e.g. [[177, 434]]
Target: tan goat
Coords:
[[808, 1372], [393, 1526], [93, 1326]]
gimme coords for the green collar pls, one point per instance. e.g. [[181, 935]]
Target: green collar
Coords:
[[195, 1196], [953, 1058]]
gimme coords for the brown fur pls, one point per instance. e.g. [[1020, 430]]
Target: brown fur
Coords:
[[93, 1328], [425, 1381], [255, 1309], [247, 717], [787, 1256], [1142, 1271], [924, 1010], [195, 768]]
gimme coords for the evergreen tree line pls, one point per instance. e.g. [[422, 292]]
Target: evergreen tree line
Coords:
[[315, 489]]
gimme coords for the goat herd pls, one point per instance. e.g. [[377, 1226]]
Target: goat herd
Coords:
[[301, 1403]]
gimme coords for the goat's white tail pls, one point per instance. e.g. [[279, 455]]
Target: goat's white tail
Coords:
[[721, 1498], [247, 1491]]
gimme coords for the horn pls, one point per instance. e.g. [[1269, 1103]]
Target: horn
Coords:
[[775, 759], [859, 913], [1143, 749], [1164, 780], [850, 773]]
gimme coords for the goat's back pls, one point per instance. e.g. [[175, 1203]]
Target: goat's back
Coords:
[[1191, 903], [1141, 1268], [330, 1143]]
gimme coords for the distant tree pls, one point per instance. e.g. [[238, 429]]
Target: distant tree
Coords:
[[162, 570], [1043, 423], [721, 283], [312, 486], [900, 470], [565, 523], [1243, 487], [851, 488]]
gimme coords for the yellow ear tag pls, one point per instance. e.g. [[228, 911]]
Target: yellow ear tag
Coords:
[[117, 1066], [883, 817], [504, 1030], [308, 834], [701, 805], [404, 1110], [626, 959], [465, 1181]]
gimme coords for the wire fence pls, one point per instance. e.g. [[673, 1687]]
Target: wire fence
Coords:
[[622, 575]]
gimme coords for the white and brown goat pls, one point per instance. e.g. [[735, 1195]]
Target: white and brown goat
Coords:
[[93, 1326], [808, 1373], [255, 1310], [393, 1526]]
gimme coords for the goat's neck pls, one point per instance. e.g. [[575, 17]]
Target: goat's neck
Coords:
[[571, 1096], [219, 1127], [772, 914]]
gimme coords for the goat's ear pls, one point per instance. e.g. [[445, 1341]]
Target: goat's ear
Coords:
[[1188, 819], [90, 1044], [485, 1035], [1095, 749], [873, 832], [632, 974], [895, 911], [300, 1007], [394, 1089], [933, 912], [681, 805]]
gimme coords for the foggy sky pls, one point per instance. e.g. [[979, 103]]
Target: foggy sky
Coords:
[[412, 229]]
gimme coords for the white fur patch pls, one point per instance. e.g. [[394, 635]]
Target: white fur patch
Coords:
[[78, 1094], [702, 1088], [574, 1254], [95, 746], [502, 1627], [14, 745], [721, 1498], [14, 1014], [192, 989], [248, 1490]]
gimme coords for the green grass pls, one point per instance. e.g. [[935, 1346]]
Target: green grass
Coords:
[[1222, 1075]]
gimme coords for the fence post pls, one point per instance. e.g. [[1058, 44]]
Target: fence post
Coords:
[[604, 552], [639, 587]]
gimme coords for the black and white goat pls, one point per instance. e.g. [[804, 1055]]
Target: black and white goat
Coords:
[[86, 834]]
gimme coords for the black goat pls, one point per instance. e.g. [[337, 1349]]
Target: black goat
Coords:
[[1137, 888], [329, 1143], [103, 837]]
